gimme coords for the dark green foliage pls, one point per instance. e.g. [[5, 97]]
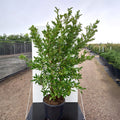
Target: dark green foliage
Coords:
[[15, 38], [58, 53], [113, 57], [111, 52], [98, 48]]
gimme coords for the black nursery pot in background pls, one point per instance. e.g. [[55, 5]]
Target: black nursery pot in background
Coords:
[[54, 112], [105, 62], [111, 68], [117, 72]]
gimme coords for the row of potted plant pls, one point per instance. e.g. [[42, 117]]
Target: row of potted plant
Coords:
[[100, 48], [112, 60], [97, 48], [110, 57]]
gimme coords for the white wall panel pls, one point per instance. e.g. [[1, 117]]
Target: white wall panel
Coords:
[[37, 94]]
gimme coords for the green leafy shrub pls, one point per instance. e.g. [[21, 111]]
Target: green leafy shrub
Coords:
[[58, 54], [113, 57]]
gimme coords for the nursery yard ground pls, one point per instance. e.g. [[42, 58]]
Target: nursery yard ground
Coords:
[[101, 98], [14, 92], [102, 95]]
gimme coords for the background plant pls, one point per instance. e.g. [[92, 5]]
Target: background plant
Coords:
[[15, 38], [111, 52], [58, 53], [113, 57]]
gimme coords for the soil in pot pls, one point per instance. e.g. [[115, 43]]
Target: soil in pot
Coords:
[[54, 108], [57, 101]]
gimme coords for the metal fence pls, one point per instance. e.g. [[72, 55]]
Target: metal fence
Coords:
[[8, 48]]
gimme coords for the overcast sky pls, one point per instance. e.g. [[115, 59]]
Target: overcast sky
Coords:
[[16, 16]]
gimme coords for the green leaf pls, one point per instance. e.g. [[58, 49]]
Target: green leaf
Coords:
[[58, 53]]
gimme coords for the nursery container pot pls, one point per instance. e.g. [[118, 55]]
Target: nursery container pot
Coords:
[[111, 68], [117, 73], [54, 112]]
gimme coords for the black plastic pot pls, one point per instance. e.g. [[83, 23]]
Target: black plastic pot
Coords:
[[111, 68], [54, 112], [117, 72], [105, 62], [118, 82], [114, 72]]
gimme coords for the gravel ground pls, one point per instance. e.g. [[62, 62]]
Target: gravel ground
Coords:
[[14, 92], [101, 98], [102, 95]]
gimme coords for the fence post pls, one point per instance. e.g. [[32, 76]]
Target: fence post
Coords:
[[110, 48], [4, 51], [24, 47], [103, 49], [14, 48], [99, 49], [10, 49], [21, 48]]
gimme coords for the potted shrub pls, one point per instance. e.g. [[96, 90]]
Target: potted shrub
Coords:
[[57, 59]]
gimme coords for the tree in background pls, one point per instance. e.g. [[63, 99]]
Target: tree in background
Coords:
[[15, 38]]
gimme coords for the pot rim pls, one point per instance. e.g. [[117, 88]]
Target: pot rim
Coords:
[[54, 105]]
